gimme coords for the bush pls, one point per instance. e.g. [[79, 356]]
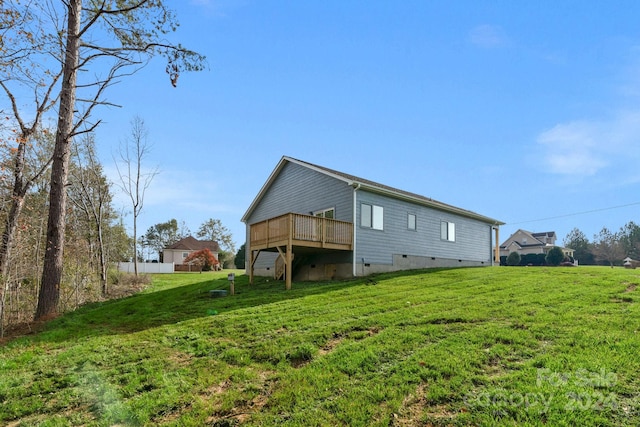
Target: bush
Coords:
[[513, 258], [555, 256], [125, 284]]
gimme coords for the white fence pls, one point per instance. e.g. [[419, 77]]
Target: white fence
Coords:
[[146, 267]]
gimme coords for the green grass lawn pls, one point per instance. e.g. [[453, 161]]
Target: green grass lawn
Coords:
[[476, 346]]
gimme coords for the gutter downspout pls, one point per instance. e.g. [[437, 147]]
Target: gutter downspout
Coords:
[[496, 257], [356, 187]]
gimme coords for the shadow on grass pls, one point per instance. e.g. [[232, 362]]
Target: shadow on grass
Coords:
[[148, 310], [181, 303]]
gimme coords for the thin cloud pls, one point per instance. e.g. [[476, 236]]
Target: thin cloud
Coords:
[[488, 36], [586, 148]]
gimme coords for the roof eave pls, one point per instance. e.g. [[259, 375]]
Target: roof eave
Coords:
[[358, 184], [429, 203], [283, 161]]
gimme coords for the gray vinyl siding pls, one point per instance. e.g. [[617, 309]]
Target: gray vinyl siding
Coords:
[[472, 239], [302, 190], [299, 189]]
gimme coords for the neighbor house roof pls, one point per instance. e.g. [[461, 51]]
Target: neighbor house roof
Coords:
[[368, 185], [535, 239], [544, 234], [192, 244]]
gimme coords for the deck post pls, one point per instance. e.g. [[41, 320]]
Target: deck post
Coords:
[[324, 231], [288, 258], [252, 261], [497, 249]]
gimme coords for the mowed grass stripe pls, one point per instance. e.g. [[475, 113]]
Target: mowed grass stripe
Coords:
[[490, 346]]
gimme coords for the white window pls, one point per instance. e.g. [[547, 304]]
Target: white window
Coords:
[[372, 216], [325, 213], [448, 231], [411, 221], [185, 254]]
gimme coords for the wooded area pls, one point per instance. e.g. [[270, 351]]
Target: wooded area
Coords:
[[57, 61], [607, 247]]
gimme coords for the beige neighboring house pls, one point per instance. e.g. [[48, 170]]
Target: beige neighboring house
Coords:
[[525, 242], [628, 262], [177, 252]]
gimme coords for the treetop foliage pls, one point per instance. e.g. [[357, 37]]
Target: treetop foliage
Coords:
[[163, 234], [606, 247], [213, 230]]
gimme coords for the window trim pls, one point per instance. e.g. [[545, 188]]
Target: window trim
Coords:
[[412, 225], [323, 212], [447, 231], [374, 217]]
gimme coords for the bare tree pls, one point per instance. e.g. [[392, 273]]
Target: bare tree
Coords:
[[117, 36], [24, 257], [607, 247], [134, 180], [19, 70], [25, 166], [89, 193]]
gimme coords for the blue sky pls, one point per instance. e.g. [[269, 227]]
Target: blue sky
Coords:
[[528, 112]]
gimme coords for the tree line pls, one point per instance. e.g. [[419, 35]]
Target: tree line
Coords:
[[58, 59], [164, 234], [606, 247], [95, 235]]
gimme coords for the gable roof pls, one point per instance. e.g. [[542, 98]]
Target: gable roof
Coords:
[[190, 243], [368, 185], [544, 234], [535, 239]]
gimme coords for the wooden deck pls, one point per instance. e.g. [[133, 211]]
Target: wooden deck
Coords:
[[301, 230], [285, 232]]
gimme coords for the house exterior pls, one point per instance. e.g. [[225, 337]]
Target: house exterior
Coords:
[[180, 250], [628, 262], [309, 222], [525, 242]]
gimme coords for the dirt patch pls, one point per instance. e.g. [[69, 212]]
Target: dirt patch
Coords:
[[412, 409], [331, 345], [631, 287], [242, 413], [338, 338], [416, 408]]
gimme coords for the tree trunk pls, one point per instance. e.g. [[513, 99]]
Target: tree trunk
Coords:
[[103, 260], [17, 202], [52, 271], [135, 244], [11, 225]]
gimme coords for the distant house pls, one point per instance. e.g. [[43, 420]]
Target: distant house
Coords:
[[180, 250], [525, 242], [628, 262], [311, 222]]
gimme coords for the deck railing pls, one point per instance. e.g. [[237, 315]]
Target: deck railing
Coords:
[[302, 230]]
